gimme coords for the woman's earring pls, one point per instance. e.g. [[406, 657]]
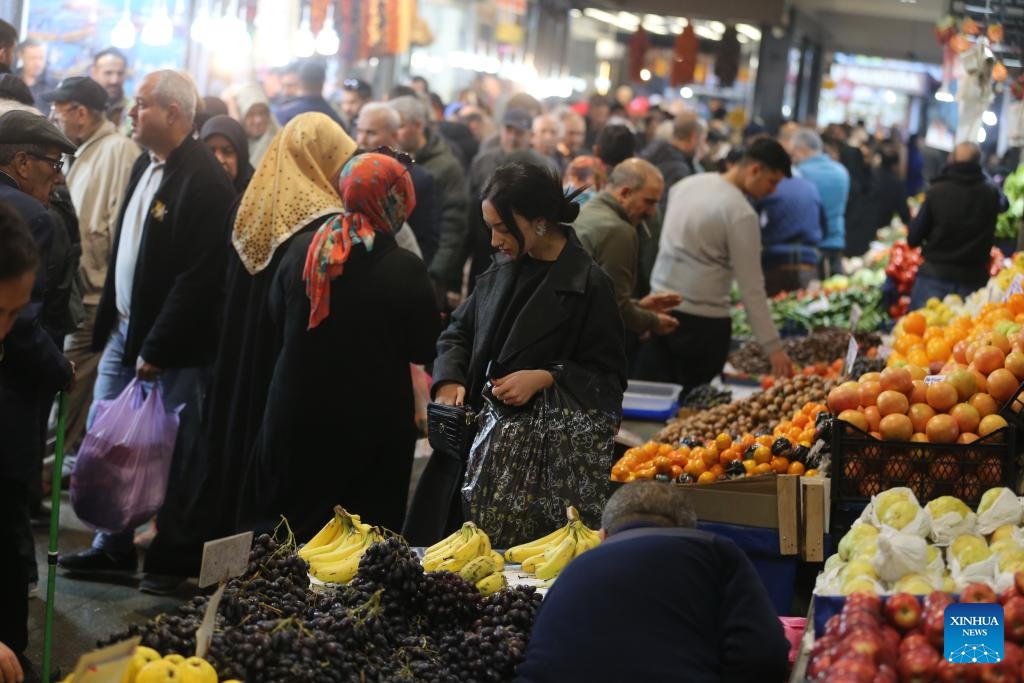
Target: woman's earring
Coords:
[[541, 230]]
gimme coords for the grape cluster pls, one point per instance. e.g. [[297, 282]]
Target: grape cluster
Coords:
[[865, 365], [706, 396], [393, 622]]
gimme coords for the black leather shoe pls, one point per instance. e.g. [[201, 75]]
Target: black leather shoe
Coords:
[[160, 584], [96, 560]]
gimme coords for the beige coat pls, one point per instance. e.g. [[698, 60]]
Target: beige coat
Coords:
[[97, 180]]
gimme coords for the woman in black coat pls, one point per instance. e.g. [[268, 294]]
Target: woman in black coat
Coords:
[[543, 314], [353, 311]]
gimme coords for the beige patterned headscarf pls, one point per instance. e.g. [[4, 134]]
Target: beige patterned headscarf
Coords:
[[292, 186]]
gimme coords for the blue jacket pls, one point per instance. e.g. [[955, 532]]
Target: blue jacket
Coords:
[[833, 183], [793, 222]]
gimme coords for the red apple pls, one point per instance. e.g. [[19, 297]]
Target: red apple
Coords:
[[1003, 672], [853, 666], [978, 592], [1013, 615], [937, 599], [948, 672], [1005, 596], [869, 600], [935, 628], [903, 611], [1018, 581], [886, 674], [866, 643], [918, 665], [913, 641]]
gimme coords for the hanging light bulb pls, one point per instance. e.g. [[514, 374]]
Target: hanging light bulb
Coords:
[[123, 34], [305, 43], [159, 30], [943, 94], [200, 31], [328, 41], [233, 42]]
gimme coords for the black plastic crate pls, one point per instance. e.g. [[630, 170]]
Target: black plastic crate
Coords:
[[1013, 410], [863, 466]]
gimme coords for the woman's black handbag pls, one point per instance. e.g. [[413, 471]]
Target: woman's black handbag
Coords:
[[450, 429]]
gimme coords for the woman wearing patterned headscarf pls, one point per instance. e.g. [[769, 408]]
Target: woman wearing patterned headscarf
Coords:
[[291, 193], [353, 311]]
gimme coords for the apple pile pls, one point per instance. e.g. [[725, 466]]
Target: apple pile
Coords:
[[958, 406], [901, 640]]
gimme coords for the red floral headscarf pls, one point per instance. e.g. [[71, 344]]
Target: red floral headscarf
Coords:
[[378, 196]]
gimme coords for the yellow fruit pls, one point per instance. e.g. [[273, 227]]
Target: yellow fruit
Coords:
[[160, 671], [143, 655], [197, 670]]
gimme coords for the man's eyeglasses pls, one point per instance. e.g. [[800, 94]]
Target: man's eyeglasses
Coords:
[[400, 157], [57, 164]]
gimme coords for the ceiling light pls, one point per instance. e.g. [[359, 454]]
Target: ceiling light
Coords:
[[686, 92], [943, 94], [305, 42], [749, 31], [989, 118], [123, 34], [1013, 63], [159, 30], [645, 75], [328, 41], [982, 135], [716, 26], [706, 33]]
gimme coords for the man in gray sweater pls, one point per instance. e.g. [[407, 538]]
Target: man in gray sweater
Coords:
[[709, 238], [607, 227]]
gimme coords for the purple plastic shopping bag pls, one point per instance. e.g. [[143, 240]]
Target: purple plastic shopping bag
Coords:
[[120, 478]]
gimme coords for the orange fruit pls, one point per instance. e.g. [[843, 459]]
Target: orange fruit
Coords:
[[938, 350], [779, 464], [763, 468], [723, 441], [811, 473], [706, 478], [914, 323], [795, 467], [749, 465], [762, 454]]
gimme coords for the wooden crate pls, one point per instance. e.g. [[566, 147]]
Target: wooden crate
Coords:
[[767, 502]]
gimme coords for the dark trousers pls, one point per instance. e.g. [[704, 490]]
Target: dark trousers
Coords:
[[692, 355], [932, 287], [831, 263], [788, 278], [14, 525]]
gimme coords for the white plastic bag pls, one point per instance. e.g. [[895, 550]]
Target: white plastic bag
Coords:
[[979, 572], [920, 525], [900, 554], [948, 526], [1005, 510]]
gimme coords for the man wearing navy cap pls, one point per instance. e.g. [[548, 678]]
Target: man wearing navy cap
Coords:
[[97, 176]]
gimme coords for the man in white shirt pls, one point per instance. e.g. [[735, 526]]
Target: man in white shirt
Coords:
[[710, 237], [96, 175], [158, 315]]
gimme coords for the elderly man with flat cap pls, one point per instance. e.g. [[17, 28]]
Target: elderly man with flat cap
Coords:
[[97, 176], [33, 367]]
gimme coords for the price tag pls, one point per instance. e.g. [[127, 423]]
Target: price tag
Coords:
[[204, 634], [815, 449], [106, 665], [851, 356], [855, 314], [224, 558], [934, 379], [819, 305], [884, 352]]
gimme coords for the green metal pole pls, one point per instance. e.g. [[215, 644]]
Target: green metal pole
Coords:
[[51, 555]]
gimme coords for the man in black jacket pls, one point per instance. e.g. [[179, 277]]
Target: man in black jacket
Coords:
[[955, 228], [32, 367], [706, 614], [157, 318], [676, 157]]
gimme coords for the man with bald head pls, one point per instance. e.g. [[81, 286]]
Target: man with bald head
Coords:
[[607, 227], [955, 228]]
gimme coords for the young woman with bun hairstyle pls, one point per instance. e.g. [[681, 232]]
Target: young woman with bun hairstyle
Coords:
[[542, 315]]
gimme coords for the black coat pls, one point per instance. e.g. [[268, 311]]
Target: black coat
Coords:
[[956, 225], [339, 425], [570, 325], [181, 261], [33, 368]]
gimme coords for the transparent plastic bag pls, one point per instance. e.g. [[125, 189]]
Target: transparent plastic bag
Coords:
[[120, 477]]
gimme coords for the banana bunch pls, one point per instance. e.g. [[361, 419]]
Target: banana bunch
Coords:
[[546, 557], [455, 552], [334, 552], [485, 572]]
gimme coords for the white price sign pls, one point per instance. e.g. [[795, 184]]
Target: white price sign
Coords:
[[934, 379], [851, 355], [855, 314]]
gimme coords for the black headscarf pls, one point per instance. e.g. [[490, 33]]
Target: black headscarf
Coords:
[[233, 131]]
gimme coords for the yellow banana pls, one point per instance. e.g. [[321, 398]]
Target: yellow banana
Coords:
[[478, 568], [499, 561], [433, 562], [351, 544], [516, 554], [343, 537], [492, 583], [445, 548], [530, 563], [586, 539], [344, 570], [478, 544], [327, 535], [556, 558]]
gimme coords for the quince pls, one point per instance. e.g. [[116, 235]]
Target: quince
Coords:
[[856, 533], [943, 505], [900, 514], [160, 671], [197, 670]]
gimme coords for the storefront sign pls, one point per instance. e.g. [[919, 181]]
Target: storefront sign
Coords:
[[900, 81]]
